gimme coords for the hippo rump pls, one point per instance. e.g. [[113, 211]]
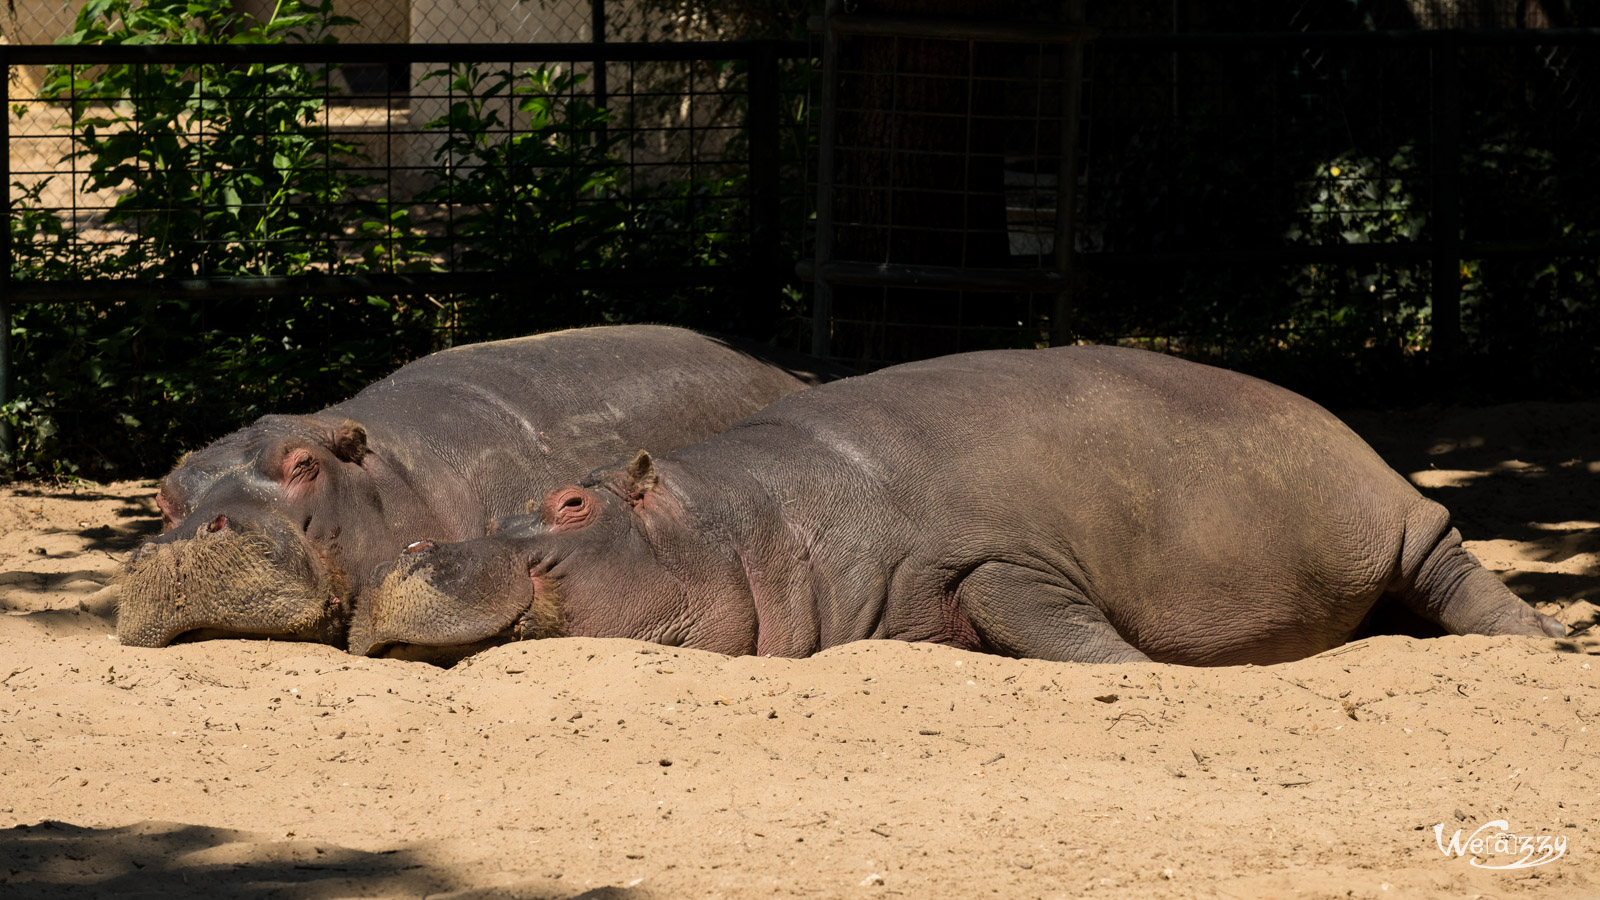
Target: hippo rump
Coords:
[[1093, 504], [273, 529]]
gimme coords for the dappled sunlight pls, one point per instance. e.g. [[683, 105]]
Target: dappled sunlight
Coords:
[[1444, 478], [1522, 483], [1442, 447], [1564, 526], [1559, 552], [1449, 478]]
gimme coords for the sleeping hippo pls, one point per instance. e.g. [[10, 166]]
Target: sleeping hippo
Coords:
[[1094, 504], [272, 530]]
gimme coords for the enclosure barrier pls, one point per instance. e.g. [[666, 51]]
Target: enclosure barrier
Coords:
[[1419, 196], [682, 142], [1090, 97]]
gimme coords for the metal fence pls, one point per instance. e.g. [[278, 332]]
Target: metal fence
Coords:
[[1361, 214], [497, 189], [683, 114], [427, 21]]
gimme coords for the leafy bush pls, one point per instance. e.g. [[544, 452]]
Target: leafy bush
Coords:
[[229, 171], [526, 169], [221, 170]]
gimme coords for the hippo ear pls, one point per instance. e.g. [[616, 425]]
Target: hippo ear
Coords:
[[640, 477], [171, 503], [173, 495], [349, 442]]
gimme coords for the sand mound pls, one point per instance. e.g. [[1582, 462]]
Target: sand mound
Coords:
[[603, 768]]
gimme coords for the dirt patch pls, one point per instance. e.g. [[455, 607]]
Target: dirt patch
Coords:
[[608, 768]]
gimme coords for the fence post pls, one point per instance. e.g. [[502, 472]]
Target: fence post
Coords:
[[765, 205], [6, 444], [1062, 313], [828, 133], [597, 35], [1446, 276]]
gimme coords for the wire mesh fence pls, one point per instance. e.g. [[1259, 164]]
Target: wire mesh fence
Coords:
[[1344, 211], [221, 231], [212, 236], [481, 165], [939, 173], [1335, 211], [459, 21]]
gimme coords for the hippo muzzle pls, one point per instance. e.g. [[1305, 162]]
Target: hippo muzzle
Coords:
[[450, 598], [222, 578]]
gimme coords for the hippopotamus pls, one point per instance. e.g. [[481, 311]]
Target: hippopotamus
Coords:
[[1093, 504], [274, 529]]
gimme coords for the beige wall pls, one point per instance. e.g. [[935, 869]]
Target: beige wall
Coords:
[[43, 21], [380, 21], [498, 21], [40, 22]]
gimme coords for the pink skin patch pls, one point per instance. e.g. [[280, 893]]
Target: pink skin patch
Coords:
[[536, 574], [170, 517], [298, 473]]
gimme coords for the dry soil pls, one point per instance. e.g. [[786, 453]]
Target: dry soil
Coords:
[[609, 768]]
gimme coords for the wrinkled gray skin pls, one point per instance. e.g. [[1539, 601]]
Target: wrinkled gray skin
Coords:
[[1092, 504], [274, 529]]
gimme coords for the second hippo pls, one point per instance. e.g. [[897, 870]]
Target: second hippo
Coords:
[[1086, 503]]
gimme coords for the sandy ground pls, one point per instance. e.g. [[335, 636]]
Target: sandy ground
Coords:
[[602, 768]]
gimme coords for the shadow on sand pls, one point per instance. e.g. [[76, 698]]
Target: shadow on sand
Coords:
[[167, 859]]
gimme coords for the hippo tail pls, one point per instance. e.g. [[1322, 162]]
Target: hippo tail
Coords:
[[1442, 582]]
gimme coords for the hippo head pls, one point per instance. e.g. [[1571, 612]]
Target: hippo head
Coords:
[[588, 559], [257, 532]]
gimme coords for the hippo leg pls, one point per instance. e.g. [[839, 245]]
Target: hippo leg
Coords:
[[1018, 611], [1453, 589]]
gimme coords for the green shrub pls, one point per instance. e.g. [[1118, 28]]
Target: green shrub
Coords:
[[220, 170], [230, 170]]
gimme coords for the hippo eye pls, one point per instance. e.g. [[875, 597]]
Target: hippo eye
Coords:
[[299, 468]]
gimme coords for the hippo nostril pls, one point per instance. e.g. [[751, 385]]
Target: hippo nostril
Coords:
[[217, 524], [419, 546]]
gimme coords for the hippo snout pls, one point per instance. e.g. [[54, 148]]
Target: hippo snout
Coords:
[[442, 596], [216, 572]]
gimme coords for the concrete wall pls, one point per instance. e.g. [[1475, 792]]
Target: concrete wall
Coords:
[[44, 21]]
